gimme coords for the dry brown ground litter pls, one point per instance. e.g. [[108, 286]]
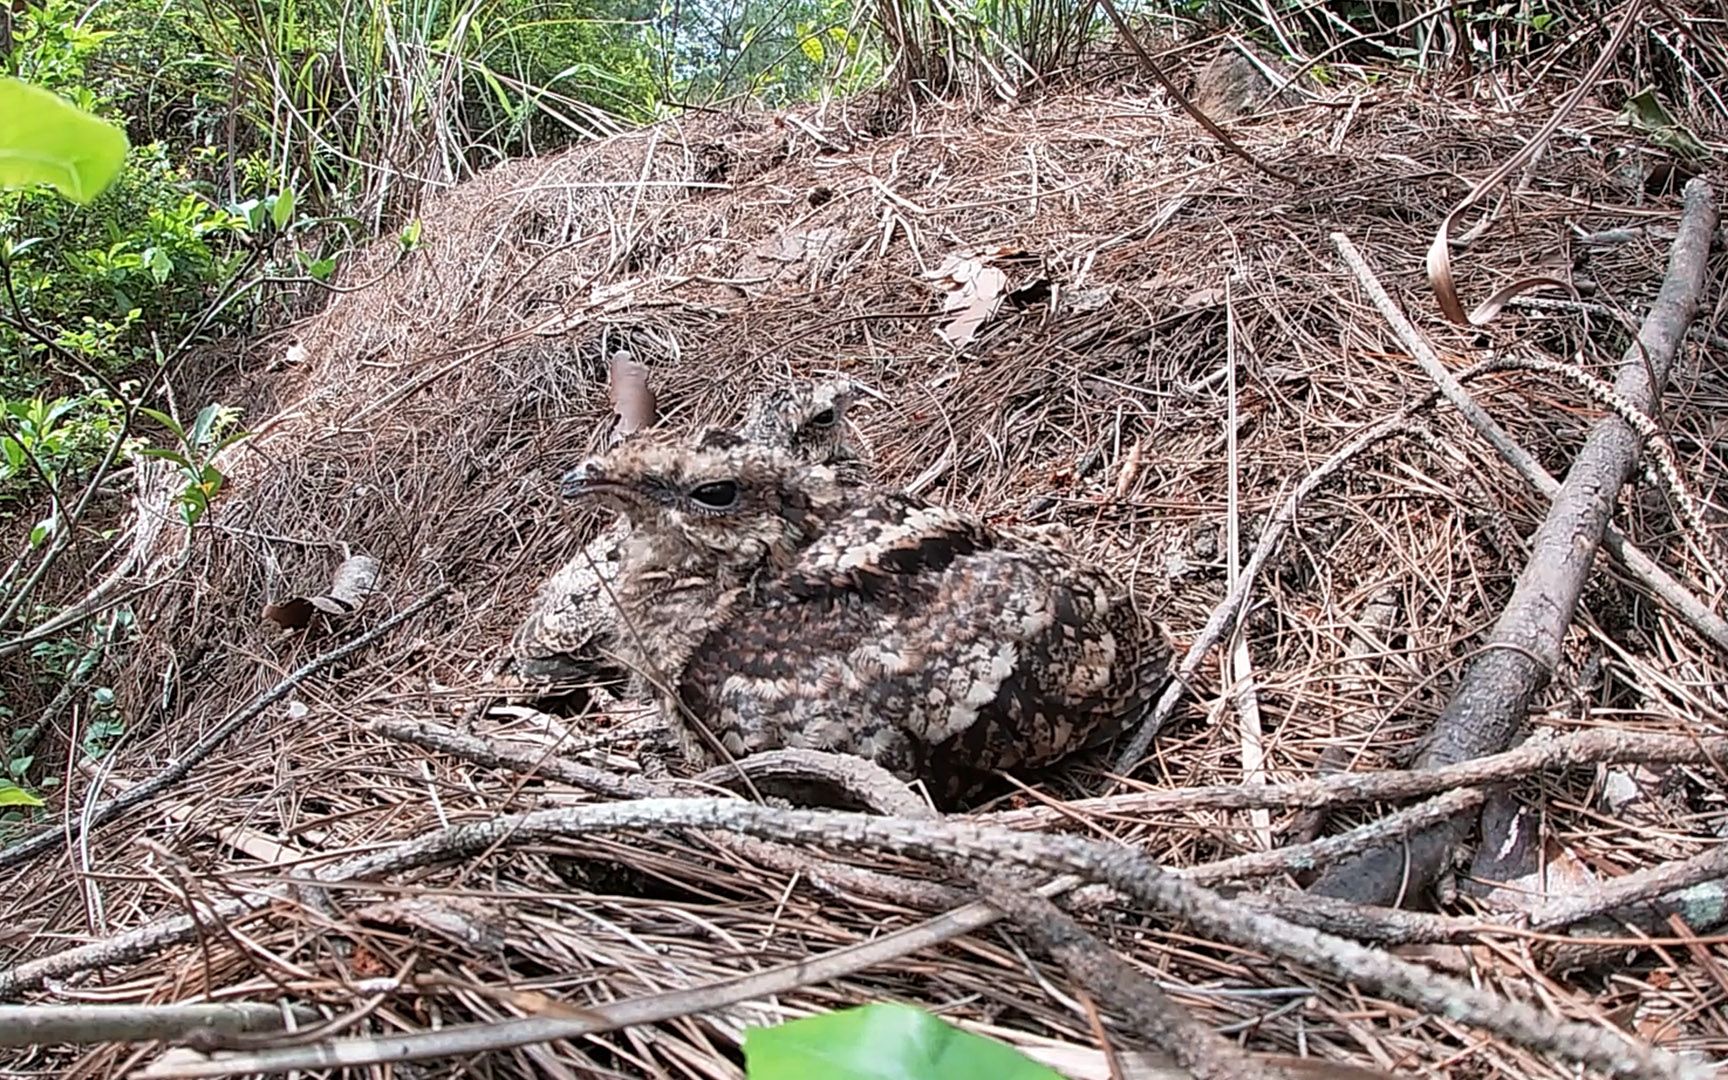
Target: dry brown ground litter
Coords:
[[425, 416]]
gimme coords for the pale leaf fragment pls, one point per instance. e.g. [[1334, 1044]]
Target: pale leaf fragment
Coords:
[[632, 398], [354, 581]]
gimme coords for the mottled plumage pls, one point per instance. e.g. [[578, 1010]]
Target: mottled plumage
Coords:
[[910, 634], [709, 519], [567, 636]]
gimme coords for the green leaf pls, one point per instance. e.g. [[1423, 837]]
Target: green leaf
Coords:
[[881, 1042], [165, 420], [46, 140], [159, 263], [165, 455], [411, 235], [282, 212], [202, 423], [322, 269], [13, 795], [13, 250], [1645, 112]]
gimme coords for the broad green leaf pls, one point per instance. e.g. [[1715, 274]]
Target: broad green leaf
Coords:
[[165, 420], [46, 140], [322, 269], [52, 413], [202, 423], [283, 210], [160, 454], [881, 1042], [411, 235], [1645, 112], [13, 795]]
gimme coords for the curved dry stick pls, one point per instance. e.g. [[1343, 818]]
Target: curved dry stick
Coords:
[[1521, 652], [1439, 262], [1189, 107], [837, 879]]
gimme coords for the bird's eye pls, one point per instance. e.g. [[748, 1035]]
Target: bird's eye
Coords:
[[719, 495], [825, 419]]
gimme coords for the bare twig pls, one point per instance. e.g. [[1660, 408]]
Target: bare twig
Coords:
[[24, 1025], [1581, 748], [1193, 110], [1642, 887], [1318, 853], [1523, 649], [1693, 611], [1127, 870]]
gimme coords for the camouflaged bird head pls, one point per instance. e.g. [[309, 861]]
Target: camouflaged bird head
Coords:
[[719, 499], [808, 419]]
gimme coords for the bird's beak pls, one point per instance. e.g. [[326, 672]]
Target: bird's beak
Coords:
[[589, 480]]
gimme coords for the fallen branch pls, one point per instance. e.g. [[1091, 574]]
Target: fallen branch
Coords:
[[1332, 849], [1645, 570], [1523, 649], [836, 879], [1653, 884], [46, 1025], [1129, 871], [1566, 751], [1583, 748], [50, 838], [1093, 965], [132, 945]]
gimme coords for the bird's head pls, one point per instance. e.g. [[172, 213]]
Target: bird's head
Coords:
[[808, 420], [717, 499]]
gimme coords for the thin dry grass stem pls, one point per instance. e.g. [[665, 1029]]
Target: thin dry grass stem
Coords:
[[424, 419]]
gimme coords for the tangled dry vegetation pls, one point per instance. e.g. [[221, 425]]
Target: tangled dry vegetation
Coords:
[[1182, 346]]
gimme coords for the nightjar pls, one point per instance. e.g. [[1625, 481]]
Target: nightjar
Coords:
[[777, 608], [567, 637]]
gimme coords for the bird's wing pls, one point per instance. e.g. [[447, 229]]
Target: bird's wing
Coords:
[[573, 610], [906, 622]]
